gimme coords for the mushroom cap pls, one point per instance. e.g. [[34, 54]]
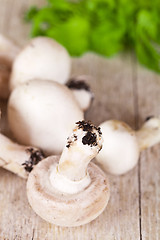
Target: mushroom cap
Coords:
[[120, 151], [43, 113], [63, 209], [42, 58]]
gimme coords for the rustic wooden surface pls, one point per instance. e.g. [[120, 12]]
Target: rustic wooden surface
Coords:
[[123, 91]]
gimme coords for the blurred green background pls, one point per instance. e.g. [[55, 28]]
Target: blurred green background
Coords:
[[106, 27]]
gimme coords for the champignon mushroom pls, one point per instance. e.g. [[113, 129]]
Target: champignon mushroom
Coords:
[[42, 58], [8, 51], [122, 145], [67, 190], [42, 114], [18, 159], [81, 90]]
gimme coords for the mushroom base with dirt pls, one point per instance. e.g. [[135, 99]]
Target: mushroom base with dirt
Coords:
[[17, 158]]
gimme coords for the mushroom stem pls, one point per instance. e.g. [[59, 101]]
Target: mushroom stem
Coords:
[[149, 134], [73, 163], [81, 148], [71, 174], [16, 158]]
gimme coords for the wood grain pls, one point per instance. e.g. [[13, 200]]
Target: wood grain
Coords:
[[122, 91], [148, 86]]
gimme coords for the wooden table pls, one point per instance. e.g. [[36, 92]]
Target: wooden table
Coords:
[[124, 91]]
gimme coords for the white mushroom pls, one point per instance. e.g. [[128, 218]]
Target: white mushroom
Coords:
[[18, 159], [42, 58], [42, 114], [8, 51], [122, 145], [72, 192], [81, 90]]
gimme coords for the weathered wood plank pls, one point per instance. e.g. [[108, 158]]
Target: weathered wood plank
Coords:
[[148, 84], [12, 22]]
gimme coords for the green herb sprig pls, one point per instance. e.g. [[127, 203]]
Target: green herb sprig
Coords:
[[106, 27]]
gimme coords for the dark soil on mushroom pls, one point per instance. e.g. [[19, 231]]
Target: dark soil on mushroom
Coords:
[[75, 84], [90, 138], [35, 157]]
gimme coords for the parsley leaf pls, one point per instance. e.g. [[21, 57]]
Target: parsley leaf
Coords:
[[106, 27]]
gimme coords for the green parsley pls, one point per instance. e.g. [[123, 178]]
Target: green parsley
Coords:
[[106, 27]]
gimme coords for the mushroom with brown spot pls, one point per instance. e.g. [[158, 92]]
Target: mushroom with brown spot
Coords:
[[68, 190], [122, 145]]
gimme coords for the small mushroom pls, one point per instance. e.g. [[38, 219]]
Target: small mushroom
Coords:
[[122, 145], [68, 190], [18, 159], [8, 52], [42, 114], [81, 90], [42, 58]]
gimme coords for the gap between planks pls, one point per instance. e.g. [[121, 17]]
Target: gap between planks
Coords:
[[136, 110]]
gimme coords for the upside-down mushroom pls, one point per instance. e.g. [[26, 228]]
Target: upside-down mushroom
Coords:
[[122, 145], [43, 58], [42, 114], [68, 190]]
